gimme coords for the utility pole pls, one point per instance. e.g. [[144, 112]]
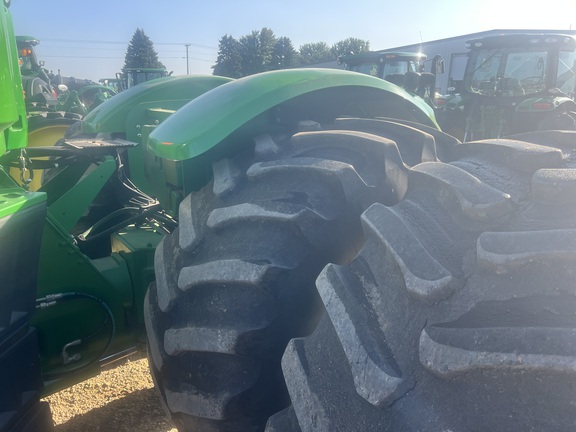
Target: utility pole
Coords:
[[187, 68]]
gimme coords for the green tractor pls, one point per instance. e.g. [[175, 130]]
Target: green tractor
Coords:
[[515, 83], [295, 250], [405, 69], [39, 92], [70, 96], [52, 107], [114, 84]]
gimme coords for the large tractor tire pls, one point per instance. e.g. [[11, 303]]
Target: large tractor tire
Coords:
[[235, 281], [459, 312]]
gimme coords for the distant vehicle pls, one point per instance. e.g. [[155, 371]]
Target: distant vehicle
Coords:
[[129, 77], [113, 83], [515, 83], [35, 80], [405, 69]]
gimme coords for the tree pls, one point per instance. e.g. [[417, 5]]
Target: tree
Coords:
[[283, 55], [262, 51], [228, 62], [349, 46], [256, 51], [141, 52], [267, 42], [316, 52]]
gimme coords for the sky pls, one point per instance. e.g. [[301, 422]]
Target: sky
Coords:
[[88, 38]]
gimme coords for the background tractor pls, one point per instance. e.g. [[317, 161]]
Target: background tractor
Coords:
[[401, 68], [53, 93], [40, 94], [54, 104], [296, 250], [129, 77], [512, 84]]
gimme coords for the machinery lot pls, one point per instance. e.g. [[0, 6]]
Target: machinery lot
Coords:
[[296, 250]]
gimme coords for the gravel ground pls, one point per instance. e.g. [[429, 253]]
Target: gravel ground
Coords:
[[118, 400]]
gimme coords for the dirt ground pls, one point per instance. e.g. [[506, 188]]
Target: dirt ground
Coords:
[[118, 400]]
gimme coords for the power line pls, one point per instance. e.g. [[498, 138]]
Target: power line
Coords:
[[98, 57], [125, 43], [83, 48], [113, 49]]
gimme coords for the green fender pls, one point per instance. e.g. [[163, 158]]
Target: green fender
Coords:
[[167, 93], [209, 119], [139, 109]]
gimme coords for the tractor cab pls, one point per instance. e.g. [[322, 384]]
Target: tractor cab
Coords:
[[404, 69], [383, 65], [36, 82], [516, 83], [29, 64], [129, 77]]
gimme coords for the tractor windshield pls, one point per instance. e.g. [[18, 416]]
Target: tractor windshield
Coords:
[[368, 68], [398, 67], [28, 62], [386, 68], [138, 76], [566, 80], [499, 72]]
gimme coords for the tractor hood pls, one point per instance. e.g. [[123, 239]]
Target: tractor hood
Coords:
[[316, 94], [111, 116]]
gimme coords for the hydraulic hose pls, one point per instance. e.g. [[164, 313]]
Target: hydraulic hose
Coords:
[[59, 298]]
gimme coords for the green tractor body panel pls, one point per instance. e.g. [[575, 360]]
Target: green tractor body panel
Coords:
[[12, 108], [225, 110], [22, 215], [14, 199], [132, 113], [93, 307], [167, 93], [13, 124]]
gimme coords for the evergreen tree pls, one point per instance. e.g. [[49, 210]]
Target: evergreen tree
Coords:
[[251, 62], [256, 51], [229, 60], [283, 55], [316, 52], [349, 46], [141, 52], [267, 42], [262, 51]]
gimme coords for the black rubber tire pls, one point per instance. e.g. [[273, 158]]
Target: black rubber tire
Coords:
[[235, 281], [459, 312]]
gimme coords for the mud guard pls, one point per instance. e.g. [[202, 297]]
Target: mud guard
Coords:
[[216, 115], [171, 92]]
